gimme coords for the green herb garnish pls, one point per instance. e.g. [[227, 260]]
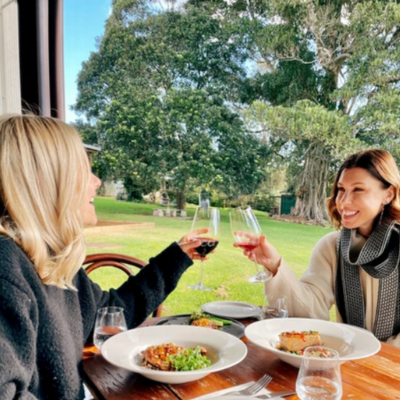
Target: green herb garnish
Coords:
[[196, 315], [189, 360], [224, 321]]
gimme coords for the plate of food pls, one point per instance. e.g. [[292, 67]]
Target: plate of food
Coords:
[[174, 354], [232, 309], [201, 319], [288, 337]]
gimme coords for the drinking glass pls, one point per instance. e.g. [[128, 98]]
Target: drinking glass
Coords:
[[319, 375], [274, 308], [109, 322], [206, 217], [246, 231]]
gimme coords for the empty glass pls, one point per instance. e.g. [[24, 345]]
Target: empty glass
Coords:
[[319, 375], [274, 308], [109, 322]]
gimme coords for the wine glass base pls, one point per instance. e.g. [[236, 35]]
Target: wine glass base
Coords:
[[199, 286], [260, 277]]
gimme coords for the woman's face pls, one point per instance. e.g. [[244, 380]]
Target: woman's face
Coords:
[[360, 199], [87, 209]]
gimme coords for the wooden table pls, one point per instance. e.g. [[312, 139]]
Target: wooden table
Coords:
[[376, 377]]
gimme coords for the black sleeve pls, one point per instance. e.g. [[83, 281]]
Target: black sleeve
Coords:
[[17, 342], [140, 295]]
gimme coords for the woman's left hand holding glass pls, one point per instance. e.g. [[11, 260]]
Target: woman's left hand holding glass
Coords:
[[189, 242]]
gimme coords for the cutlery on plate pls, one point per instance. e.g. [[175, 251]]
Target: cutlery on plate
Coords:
[[254, 388], [275, 395]]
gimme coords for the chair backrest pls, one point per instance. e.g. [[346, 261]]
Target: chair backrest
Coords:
[[120, 261]]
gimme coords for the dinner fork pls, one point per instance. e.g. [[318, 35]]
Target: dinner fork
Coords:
[[254, 388]]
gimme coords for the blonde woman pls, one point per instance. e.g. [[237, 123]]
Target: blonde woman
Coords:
[[47, 303], [357, 267]]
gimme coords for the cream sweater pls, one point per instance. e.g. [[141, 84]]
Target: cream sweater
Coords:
[[313, 295]]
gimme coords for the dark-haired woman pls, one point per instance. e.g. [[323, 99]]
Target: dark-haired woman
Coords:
[[356, 267]]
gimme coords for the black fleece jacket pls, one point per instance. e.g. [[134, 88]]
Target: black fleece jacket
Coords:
[[43, 328]]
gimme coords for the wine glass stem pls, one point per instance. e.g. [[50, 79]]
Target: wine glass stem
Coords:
[[256, 265], [257, 268], [201, 272]]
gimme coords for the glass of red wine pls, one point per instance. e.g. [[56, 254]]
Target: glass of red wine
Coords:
[[246, 232], [206, 217]]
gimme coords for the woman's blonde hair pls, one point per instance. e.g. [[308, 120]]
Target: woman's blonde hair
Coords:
[[381, 165], [44, 177]]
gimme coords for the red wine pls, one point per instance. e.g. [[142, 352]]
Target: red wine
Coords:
[[207, 245], [248, 246]]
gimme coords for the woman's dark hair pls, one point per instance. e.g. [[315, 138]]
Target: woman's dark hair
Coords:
[[381, 165]]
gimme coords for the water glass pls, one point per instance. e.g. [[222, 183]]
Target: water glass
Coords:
[[109, 322], [274, 308], [319, 375]]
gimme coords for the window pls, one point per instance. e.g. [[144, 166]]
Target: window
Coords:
[[10, 87]]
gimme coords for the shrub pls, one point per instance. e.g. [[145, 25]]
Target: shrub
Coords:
[[264, 202]]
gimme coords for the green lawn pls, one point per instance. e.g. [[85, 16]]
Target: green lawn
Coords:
[[226, 271]]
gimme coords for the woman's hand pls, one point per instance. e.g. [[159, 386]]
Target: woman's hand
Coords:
[[190, 241], [264, 254]]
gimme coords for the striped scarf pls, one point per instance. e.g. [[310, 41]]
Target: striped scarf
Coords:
[[379, 257]]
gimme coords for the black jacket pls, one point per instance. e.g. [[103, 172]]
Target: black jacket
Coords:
[[43, 328]]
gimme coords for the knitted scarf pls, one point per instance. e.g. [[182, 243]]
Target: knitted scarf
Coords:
[[379, 257]]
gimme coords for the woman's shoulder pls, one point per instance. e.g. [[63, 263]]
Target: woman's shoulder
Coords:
[[16, 267], [9, 250], [329, 239], [327, 244]]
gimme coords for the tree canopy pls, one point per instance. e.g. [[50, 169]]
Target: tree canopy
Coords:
[[161, 88], [326, 85], [212, 92]]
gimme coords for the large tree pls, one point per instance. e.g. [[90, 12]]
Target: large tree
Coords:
[[161, 89], [327, 82]]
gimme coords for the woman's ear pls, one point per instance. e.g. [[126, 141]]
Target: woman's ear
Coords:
[[390, 194]]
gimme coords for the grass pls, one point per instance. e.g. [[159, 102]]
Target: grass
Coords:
[[226, 271]]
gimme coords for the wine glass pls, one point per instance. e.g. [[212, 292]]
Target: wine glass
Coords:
[[246, 232], [319, 375], [206, 217], [109, 322]]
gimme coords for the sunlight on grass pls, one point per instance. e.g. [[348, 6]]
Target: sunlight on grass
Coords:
[[226, 271]]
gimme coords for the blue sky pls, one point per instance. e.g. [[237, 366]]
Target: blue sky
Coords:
[[83, 22]]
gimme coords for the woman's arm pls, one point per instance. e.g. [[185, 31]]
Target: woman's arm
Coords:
[[311, 296], [17, 342], [394, 340], [140, 295]]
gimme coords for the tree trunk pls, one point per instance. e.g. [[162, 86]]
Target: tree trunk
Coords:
[[180, 200], [311, 191]]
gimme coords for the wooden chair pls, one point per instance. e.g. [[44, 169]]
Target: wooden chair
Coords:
[[120, 261]]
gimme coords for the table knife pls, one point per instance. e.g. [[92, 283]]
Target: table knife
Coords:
[[274, 396]]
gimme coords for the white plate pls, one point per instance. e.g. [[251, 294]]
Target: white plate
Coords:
[[123, 350], [351, 342], [231, 309]]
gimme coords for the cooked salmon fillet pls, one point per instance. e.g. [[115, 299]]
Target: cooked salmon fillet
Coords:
[[205, 323], [297, 341]]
